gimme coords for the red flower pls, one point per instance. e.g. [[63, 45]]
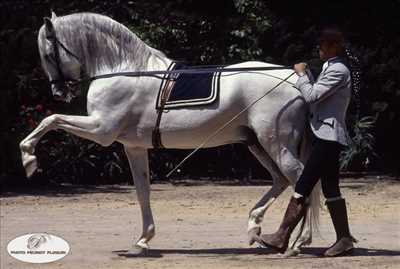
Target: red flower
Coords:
[[39, 108]]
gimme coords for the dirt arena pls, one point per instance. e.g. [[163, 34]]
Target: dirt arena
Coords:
[[197, 226]]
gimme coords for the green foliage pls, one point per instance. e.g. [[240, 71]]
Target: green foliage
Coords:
[[359, 153], [67, 158]]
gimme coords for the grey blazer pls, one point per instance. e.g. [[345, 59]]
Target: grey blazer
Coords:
[[328, 99]]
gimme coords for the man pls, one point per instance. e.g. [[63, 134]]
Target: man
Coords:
[[328, 99]]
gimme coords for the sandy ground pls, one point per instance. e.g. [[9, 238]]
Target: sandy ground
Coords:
[[198, 226]]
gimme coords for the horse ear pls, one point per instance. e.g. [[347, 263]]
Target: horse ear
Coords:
[[48, 27], [53, 15]]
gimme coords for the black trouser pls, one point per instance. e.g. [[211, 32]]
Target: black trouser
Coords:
[[323, 163]]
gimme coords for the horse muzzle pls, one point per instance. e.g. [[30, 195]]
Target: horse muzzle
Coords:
[[64, 93], [58, 94]]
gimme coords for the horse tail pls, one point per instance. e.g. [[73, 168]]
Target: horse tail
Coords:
[[315, 196], [315, 205]]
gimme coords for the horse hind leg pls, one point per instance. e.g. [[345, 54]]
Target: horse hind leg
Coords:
[[280, 183], [289, 163]]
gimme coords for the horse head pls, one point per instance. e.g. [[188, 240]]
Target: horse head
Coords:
[[90, 44], [59, 62]]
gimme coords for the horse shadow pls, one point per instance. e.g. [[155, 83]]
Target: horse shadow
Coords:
[[306, 253]]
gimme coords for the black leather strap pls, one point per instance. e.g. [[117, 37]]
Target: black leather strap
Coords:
[[164, 95]]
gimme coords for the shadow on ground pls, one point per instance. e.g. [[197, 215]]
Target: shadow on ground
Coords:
[[311, 252]]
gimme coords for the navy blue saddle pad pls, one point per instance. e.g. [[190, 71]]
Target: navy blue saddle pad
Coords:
[[189, 89]]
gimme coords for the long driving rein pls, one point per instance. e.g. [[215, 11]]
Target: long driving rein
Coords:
[[155, 73]]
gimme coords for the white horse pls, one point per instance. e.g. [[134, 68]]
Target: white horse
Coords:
[[122, 109]]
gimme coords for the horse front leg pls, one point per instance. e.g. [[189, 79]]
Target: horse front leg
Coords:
[[88, 127], [138, 161]]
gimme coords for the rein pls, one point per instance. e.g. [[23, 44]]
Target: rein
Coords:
[[160, 73], [192, 70], [155, 73], [205, 69]]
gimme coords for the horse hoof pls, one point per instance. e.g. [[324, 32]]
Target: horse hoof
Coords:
[[290, 252], [30, 164], [253, 234], [137, 252]]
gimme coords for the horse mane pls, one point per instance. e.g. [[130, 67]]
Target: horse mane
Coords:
[[102, 44]]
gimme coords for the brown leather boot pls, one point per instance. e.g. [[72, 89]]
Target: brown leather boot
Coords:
[[279, 241], [344, 240]]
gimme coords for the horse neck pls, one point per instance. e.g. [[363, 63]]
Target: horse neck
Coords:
[[110, 57], [96, 66], [153, 63]]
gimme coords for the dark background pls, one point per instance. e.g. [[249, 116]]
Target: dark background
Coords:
[[199, 32]]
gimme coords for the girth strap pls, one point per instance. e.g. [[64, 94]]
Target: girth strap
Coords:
[[165, 92]]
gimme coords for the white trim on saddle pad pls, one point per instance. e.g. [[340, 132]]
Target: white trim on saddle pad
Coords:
[[187, 102]]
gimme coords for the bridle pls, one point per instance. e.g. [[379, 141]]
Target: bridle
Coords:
[[62, 79]]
